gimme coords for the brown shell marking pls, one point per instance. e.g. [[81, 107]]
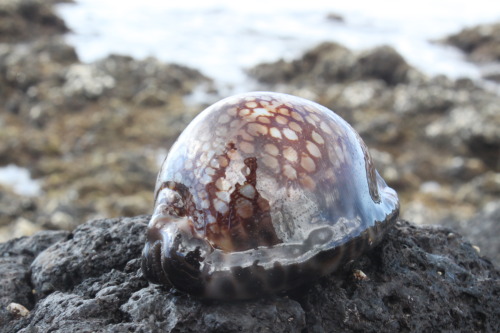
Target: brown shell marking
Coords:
[[267, 173]]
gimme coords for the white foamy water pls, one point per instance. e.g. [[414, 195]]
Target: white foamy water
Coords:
[[19, 180], [223, 37]]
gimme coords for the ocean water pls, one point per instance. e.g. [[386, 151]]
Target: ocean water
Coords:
[[19, 180], [222, 37]]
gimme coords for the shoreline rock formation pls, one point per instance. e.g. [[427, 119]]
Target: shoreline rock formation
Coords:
[[417, 279]]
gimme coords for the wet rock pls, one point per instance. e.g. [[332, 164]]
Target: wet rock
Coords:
[[425, 258], [149, 82], [332, 63], [383, 63], [15, 260], [326, 62], [27, 19], [86, 82], [31, 76], [472, 128], [417, 279], [13, 206], [92, 134], [481, 43], [480, 227], [97, 246]]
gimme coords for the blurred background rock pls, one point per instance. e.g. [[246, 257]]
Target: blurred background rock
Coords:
[[93, 134]]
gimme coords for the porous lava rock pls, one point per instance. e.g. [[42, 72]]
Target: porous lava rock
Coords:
[[418, 279]]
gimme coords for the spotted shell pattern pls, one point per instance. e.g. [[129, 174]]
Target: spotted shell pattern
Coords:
[[261, 193]]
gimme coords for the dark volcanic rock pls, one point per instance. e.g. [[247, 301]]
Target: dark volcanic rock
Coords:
[[481, 43], [95, 247], [93, 133], [28, 19], [480, 228], [333, 63], [16, 257], [417, 279], [12, 206]]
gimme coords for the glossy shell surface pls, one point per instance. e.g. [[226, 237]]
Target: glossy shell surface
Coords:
[[261, 193]]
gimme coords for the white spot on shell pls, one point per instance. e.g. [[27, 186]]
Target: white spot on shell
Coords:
[[275, 133], [247, 147], [315, 117], [223, 195], [271, 149], [281, 120], [325, 128], [251, 105], [289, 134], [290, 154], [257, 129], [223, 161], [206, 179], [224, 118], [245, 135], [234, 123], [205, 204], [318, 138], [214, 163], [297, 116], [340, 153], [206, 147], [220, 206], [289, 172], [270, 161], [221, 131], [211, 218], [310, 120], [234, 155], [264, 120], [248, 191], [307, 181], [284, 111], [307, 163], [262, 111], [210, 171], [223, 184], [313, 149], [296, 127], [245, 170]]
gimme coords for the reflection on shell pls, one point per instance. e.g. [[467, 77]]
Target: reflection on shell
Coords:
[[266, 185]]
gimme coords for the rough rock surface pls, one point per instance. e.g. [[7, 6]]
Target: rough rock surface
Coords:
[[28, 19], [480, 228], [418, 279], [93, 134], [482, 45], [333, 62], [16, 257]]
